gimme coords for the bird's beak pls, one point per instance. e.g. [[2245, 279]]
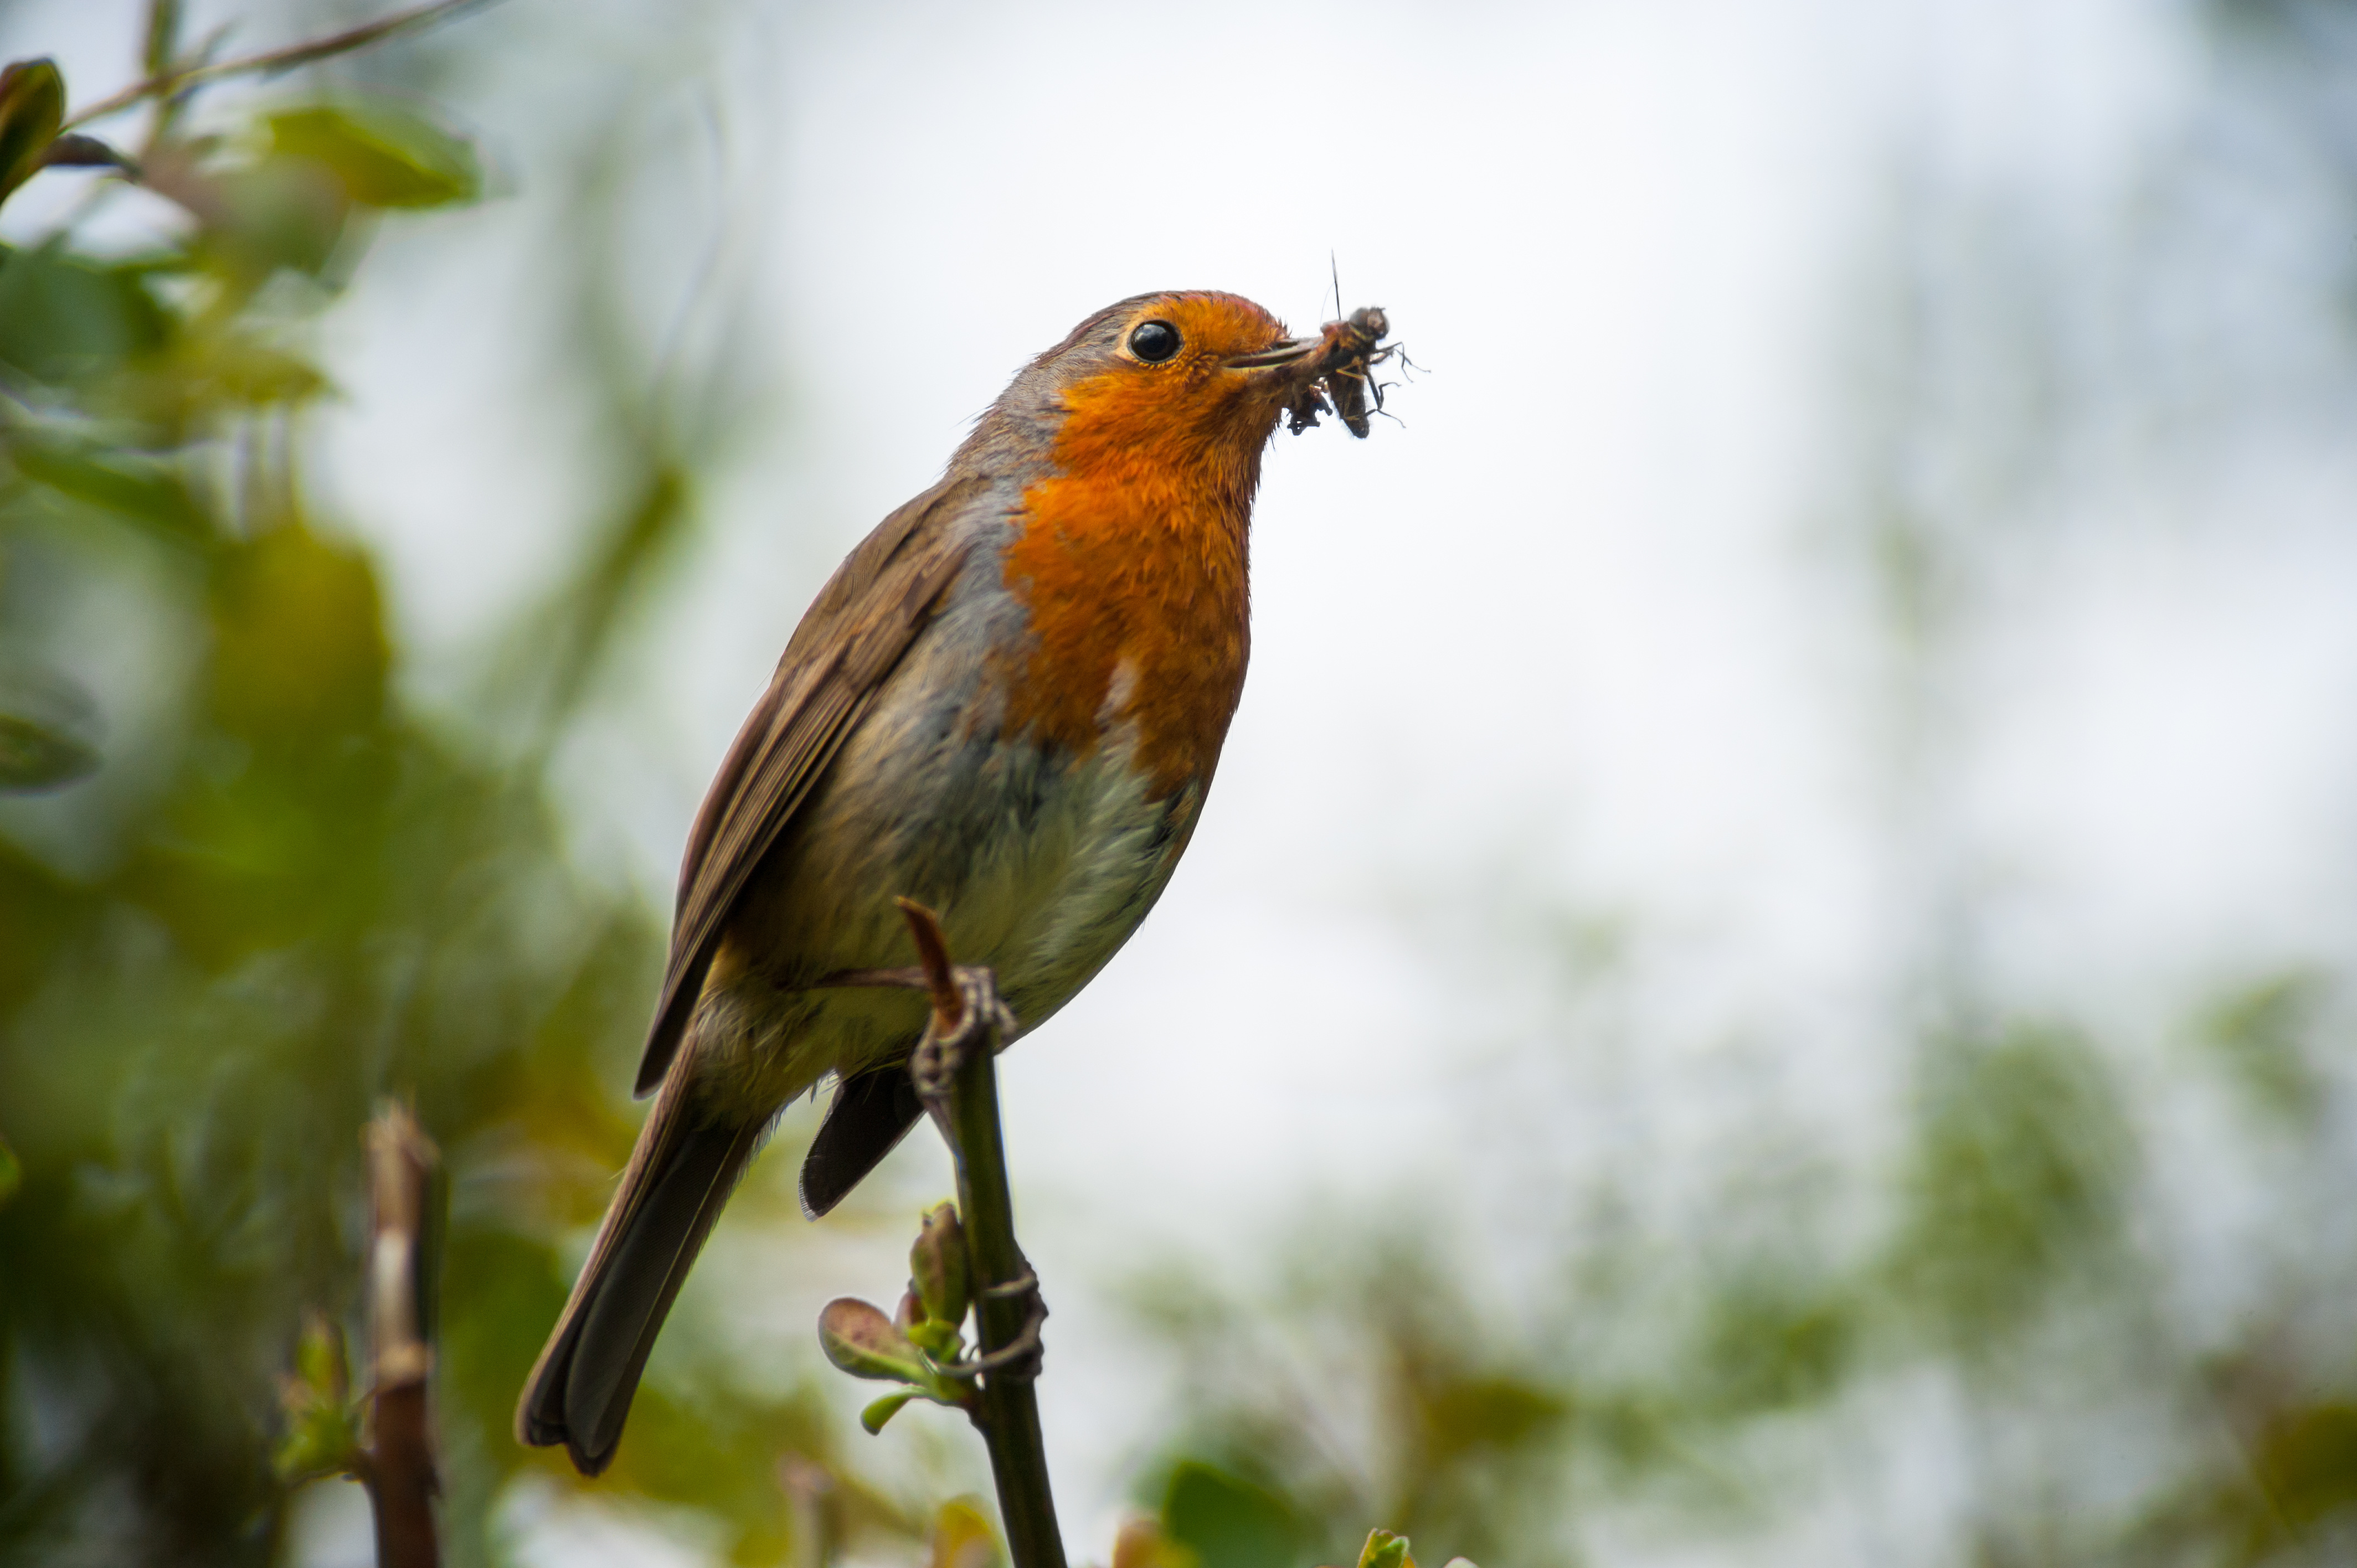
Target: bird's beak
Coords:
[[1283, 352]]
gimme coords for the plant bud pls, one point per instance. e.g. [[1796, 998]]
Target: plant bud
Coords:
[[323, 1430], [938, 1268]]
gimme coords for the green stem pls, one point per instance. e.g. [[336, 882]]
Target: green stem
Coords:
[[967, 1110], [1010, 1409]]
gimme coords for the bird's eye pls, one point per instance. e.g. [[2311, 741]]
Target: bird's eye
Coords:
[[1154, 341]]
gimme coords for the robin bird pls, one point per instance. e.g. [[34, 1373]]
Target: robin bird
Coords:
[[1007, 704]]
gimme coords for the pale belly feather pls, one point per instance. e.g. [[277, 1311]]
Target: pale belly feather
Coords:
[[1040, 866]]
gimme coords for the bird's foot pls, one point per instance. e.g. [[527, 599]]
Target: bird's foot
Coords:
[[940, 1054]]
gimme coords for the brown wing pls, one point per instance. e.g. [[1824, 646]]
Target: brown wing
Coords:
[[849, 639]]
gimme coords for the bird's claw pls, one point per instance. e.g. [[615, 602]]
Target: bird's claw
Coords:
[[983, 1007], [939, 1055]]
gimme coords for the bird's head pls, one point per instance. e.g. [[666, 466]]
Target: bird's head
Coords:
[[1186, 383]]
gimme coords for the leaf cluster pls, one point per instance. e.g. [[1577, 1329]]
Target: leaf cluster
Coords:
[[922, 1345]]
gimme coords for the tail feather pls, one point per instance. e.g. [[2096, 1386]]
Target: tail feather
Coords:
[[678, 1176], [872, 1112]]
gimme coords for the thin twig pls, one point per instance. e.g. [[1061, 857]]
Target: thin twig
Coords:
[[1006, 1300], [278, 59], [400, 1460]]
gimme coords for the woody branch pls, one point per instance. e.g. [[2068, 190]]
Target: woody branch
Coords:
[[398, 1465]]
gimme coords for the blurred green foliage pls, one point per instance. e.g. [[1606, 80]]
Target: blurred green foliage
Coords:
[[2010, 1274], [285, 895], [2017, 1181], [1224, 1520], [2263, 1034]]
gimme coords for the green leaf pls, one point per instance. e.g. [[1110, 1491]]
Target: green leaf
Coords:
[[2306, 1459], [63, 318], [72, 151], [299, 647], [35, 757], [320, 1358], [1385, 1549], [162, 31], [32, 112], [1462, 1414], [323, 1428], [962, 1539], [385, 154], [137, 488], [278, 213], [874, 1417], [12, 1173], [48, 731], [858, 1339], [1225, 1520], [861, 1340]]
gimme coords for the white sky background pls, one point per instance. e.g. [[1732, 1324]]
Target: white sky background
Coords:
[[1582, 641]]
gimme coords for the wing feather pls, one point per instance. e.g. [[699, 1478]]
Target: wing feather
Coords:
[[849, 640]]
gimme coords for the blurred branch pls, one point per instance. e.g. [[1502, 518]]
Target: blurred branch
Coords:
[[399, 1465], [957, 1078], [174, 80]]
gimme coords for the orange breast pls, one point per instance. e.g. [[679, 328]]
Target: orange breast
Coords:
[[1134, 558]]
